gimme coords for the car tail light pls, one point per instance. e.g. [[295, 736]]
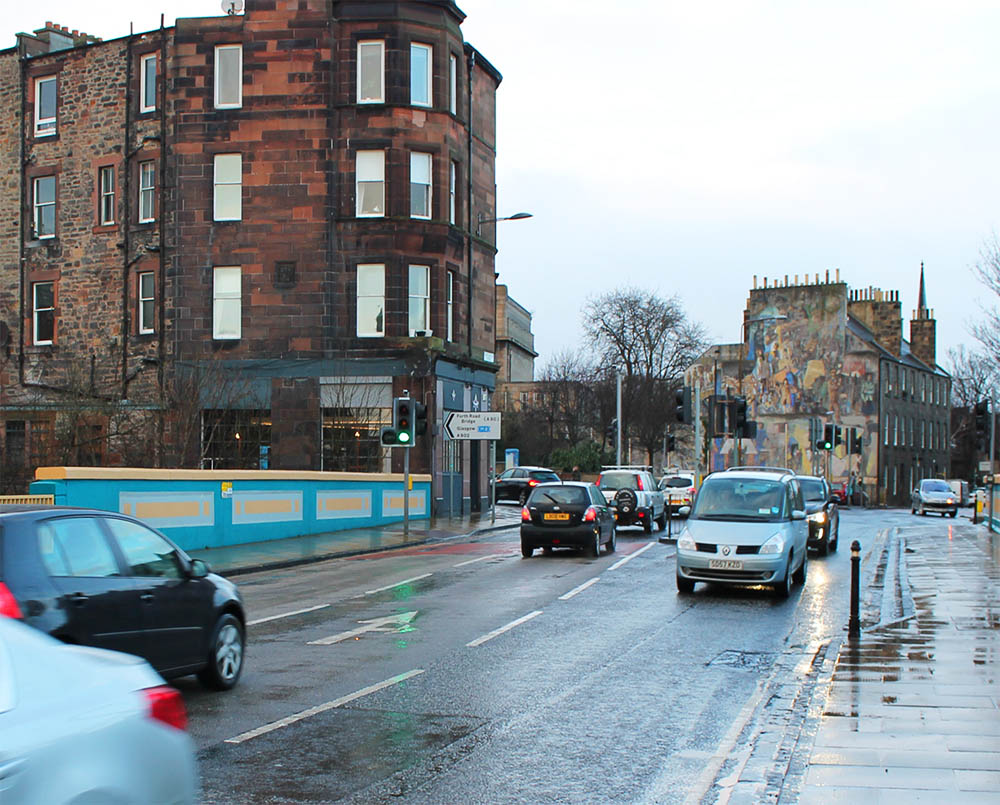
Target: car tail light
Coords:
[[642, 514], [532, 482], [8, 604], [525, 515], [638, 478], [691, 490], [166, 705], [590, 515]]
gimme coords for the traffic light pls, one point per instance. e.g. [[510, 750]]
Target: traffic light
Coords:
[[682, 400], [739, 415], [671, 443], [388, 437], [403, 423], [982, 411], [838, 435], [826, 442], [419, 419], [854, 441], [611, 431]]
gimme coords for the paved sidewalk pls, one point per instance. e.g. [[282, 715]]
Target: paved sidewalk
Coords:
[[236, 559], [911, 713]]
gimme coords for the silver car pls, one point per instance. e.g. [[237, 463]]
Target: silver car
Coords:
[[746, 528], [934, 495], [80, 724]]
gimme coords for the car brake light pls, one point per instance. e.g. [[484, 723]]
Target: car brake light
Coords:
[[525, 515], [532, 482], [691, 490], [590, 515], [642, 514], [8, 604], [639, 479], [167, 706]]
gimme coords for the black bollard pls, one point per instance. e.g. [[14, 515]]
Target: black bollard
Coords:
[[854, 624]]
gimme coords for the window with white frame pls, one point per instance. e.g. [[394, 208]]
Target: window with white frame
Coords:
[[452, 190], [147, 191], [420, 185], [922, 434], [227, 303], [421, 58], [371, 71], [420, 299], [228, 198], [106, 202], [369, 172], [44, 200], [895, 430], [453, 84], [450, 309], [43, 312], [45, 106], [147, 83], [228, 76], [146, 297], [885, 431], [371, 300]]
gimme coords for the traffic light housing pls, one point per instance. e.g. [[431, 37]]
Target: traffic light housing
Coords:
[[982, 414], [739, 415], [682, 410], [838, 435], [854, 441], [826, 441], [671, 443], [404, 423], [611, 431], [419, 418]]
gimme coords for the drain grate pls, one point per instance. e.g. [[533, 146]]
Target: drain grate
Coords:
[[748, 660]]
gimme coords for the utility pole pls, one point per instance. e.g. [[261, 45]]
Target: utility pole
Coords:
[[992, 486], [618, 438]]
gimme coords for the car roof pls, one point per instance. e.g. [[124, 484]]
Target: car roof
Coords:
[[29, 508], [811, 477], [761, 473], [530, 467], [564, 483]]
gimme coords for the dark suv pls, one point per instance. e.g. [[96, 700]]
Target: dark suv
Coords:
[[822, 512], [103, 579]]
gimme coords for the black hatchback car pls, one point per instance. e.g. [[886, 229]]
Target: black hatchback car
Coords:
[[516, 483], [822, 512], [570, 514], [103, 579]]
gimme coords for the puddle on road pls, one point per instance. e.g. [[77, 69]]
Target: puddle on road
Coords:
[[746, 660]]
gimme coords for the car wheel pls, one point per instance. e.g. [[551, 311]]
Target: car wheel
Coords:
[[225, 655], [684, 585], [923, 512], [523, 497], [595, 546], [647, 523], [662, 522], [783, 588], [824, 546], [913, 509], [832, 544], [527, 551], [612, 540], [799, 576], [954, 512]]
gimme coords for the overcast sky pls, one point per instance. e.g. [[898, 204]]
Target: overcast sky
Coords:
[[686, 146]]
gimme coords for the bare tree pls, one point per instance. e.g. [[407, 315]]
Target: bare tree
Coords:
[[651, 341], [987, 271], [974, 376]]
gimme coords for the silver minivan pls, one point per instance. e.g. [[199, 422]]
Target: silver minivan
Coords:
[[746, 527]]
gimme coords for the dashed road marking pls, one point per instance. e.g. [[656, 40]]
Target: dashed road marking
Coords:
[[484, 558], [497, 632], [286, 614], [396, 584], [580, 589], [631, 556]]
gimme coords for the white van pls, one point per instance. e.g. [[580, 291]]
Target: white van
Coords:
[[961, 490]]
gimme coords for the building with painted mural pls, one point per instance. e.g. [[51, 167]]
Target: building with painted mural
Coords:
[[230, 242], [818, 349]]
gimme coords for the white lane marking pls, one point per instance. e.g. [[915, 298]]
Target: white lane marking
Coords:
[[397, 584], [496, 632], [397, 622], [286, 614], [322, 708], [484, 558], [579, 589], [631, 556]]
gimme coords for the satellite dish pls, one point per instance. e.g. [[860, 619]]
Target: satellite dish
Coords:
[[232, 7]]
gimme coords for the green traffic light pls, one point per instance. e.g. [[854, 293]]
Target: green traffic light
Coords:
[[404, 436]]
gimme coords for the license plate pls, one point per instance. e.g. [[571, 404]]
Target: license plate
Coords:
[[555, 516], [725, 564]]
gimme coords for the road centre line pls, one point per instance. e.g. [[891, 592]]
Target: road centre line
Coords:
[[322, 708], [497, 632], [631, 556], [579, 589], [286, 614], [483, 558], [397, 584]]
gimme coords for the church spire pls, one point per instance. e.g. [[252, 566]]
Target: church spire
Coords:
[[922, 297]]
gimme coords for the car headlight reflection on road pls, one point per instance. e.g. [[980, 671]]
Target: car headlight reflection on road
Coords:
[[776, 544], [685, 542], [817, 517]]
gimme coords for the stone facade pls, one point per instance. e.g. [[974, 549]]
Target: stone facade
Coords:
[[297, 240]]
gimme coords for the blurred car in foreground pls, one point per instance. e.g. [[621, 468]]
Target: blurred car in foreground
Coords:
[[678, 489], [570, 514], [822, 513], [85, 725], [934, 495], [516, 483], [746, 528], [102, 579]]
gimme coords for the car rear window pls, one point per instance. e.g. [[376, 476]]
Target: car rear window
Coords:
[[613, 481], [677, 481], [560, 494], [544, 475]]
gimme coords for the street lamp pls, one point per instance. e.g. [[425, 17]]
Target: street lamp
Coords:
[[517, 216], [743, 346]]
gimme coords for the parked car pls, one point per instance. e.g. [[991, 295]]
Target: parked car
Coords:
[[678, 489], [79, 724], [636, 498], [516, 483], [103, 579], [934, 495], [822, 513], [570, 514], [745, 528]]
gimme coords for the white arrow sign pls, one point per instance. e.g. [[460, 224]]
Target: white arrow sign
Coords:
[[393, 623], [472, 425]]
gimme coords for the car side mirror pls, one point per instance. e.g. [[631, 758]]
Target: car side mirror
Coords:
[[834, 499], [684, 511], [199, 569], [798, 514]]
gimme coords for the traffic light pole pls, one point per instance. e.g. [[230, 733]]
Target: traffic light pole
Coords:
[[991, 488], [406, 494]]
